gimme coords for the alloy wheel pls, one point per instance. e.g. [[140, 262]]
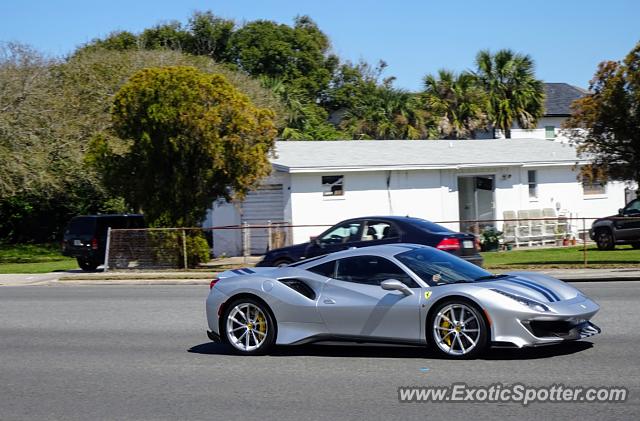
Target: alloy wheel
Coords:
[[247, 327], [456, 329]]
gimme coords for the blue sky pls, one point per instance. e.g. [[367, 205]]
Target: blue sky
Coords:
[[566, 38]]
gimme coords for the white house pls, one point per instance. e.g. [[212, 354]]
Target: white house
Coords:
[[557, 108], [321, 183]]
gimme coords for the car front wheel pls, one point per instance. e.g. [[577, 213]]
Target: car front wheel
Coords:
[[457, 329], [249, 327]]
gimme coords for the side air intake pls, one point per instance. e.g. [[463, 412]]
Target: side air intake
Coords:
[[300, 287]]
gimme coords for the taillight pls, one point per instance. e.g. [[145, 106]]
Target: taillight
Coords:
[[212, 283], [449, 244], [94, 243]]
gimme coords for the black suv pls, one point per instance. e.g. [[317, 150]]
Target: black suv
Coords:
[[85, 237], [623, 228], [375, 230]]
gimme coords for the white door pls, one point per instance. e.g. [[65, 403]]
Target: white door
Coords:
[[476, 202]]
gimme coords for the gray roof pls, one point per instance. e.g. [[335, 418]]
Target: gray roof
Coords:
[[367, 155], [558, 98]]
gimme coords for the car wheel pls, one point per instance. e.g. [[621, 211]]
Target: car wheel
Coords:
[[604, 240], [249, 327], [87, 265], [282, 263], [457, 329]]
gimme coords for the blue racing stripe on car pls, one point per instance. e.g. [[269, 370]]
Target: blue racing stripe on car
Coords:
[[237, 272], [533, 287], [247, 270], [549, 290]]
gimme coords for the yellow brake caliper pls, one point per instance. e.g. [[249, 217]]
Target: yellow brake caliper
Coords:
[[261, 324], [446, 325]]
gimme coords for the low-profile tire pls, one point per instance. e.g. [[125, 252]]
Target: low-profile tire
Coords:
[[248, 326], [457, 329], [87, 265], [604, 239]]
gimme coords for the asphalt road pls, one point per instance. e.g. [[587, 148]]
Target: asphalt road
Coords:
[[140, 352]]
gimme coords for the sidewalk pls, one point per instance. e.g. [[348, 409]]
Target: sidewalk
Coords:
[[204, 277]]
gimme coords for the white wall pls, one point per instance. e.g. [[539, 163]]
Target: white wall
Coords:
[[414, 193], [539, 132]]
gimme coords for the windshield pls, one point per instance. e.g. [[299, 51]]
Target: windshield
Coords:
[[437, 267]]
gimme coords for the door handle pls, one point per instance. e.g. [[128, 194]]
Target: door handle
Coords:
[[329, 301]]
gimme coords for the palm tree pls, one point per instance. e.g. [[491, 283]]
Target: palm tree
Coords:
[[514, 92], [386, 113], [457, 101]]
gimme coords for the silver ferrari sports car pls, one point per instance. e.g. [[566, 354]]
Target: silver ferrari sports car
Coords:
[[399, 293]]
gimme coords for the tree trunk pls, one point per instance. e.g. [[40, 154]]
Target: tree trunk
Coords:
[[507, 132]]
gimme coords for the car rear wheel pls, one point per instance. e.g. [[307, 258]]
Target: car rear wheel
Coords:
[[249, 327], [87, 265], [457, 329], [604, 240]]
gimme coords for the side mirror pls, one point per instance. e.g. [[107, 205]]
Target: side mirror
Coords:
[[395, 285], [620, 211]]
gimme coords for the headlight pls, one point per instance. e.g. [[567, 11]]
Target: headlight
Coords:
[[534, 305]]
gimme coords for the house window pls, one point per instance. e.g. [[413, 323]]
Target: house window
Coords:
[[549, 132], [593, 186], [532, 179], [333, 185]]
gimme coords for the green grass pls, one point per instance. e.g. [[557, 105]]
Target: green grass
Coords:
[[563, 257], [33, 258]]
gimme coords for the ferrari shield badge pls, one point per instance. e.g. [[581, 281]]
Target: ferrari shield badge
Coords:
[[427, 295]]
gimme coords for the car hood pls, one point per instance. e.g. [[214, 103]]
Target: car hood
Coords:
[[607, 218], [535, 286]]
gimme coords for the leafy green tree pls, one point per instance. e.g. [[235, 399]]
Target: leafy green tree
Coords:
[[605, 123], [50, 109], [458, 102], [118, 41], [389, 113], [367, 106], [210, 36], [297, 55], [169, 35], [515, 95], [180, 139], [306, 120]]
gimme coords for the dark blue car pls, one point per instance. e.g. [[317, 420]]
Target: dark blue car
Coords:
[[375, 230]]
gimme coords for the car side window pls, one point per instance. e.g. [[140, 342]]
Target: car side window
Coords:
[[371, 270], [633, 207], [343, 233], [327, 269], [378, 230]]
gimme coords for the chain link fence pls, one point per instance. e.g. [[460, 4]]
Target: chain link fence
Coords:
[[184, 248]]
